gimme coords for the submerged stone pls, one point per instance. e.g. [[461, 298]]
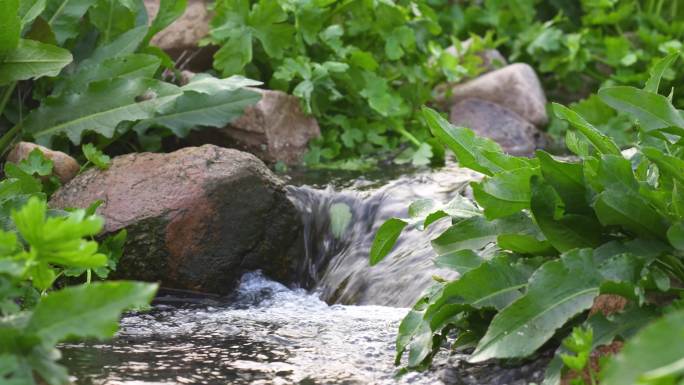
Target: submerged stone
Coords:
[[196, 218]]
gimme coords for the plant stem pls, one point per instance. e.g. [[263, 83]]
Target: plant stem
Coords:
[[408, 136], [6, 95], [88, 276], [7, 139]]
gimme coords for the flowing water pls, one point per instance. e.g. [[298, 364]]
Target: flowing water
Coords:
[[337, 327]]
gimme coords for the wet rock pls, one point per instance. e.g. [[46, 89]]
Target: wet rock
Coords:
[[64, 166], [196, 218], [515, 87], [275, 129], [457, 371], [515, 135], [181, 39]]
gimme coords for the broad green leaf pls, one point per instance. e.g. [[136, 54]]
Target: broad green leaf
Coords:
[[601, 142], [478, 154], [477, 232], [99, 109], [385, 238], [207, 84], [113, 17], [568, 181], [36, 164], [126, 43], [654, 355], [95, 156], [169, 11], [505, 193], [32, 59], [126, 66], [564, 232], [193, 109], [29, 10], [657, 71], [340, 217], [556, 292], [675, 234], [87, 311], [672, 166], [460, 261], [525, 244], [64, 16], [10, 26], [654, 111]]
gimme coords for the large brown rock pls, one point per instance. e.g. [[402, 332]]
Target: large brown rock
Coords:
[[515, 87], [181, 39], [64, 167], [275, 129], [197, 218], [515, 135]]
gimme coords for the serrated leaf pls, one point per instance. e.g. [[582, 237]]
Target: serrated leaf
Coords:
[[87, 311], [556, 292], [99, 109], [385, 238], [32, 59], [654, 111], [95, 156], [36, 164], [193, 109]]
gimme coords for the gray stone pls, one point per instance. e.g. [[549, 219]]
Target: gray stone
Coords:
[[515, 135], [197, 218], [64, 166], [275, 129], [515, 87]]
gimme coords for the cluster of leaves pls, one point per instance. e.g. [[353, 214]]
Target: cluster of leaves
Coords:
[[547, 236], [82, 71], [37, 247], [363, 68]]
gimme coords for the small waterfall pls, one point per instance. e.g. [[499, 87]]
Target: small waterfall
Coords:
[[337, 266]]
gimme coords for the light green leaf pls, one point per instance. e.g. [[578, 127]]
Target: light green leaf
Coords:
[[36, 164], [207, 84], [385, 238], [87, 311], [29, 10], [32, 59], [99, 109], [505, 193], [557, 291], [654, 111], [460, 261], [126, 43], [95, 156], [657, 71]]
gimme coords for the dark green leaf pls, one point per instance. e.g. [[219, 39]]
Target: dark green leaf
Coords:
[[653, 111], [31, 60], [505, 193], [601, 142], [10, 26]]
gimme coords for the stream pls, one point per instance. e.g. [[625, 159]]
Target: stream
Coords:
[[337, 326]]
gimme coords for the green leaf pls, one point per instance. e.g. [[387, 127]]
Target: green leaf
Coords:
[[654, 111], [385, 238], [566, 232], [479, 154], [29, 10], [169, 11], [192, 109], [32, 59], [207, 84], [99, 109], [525, 244], [568, 181], [113, 17], [87, 311], [64, 16], [477, 232], [657, 71], [504, 193], [95, 156], [460, 261], [556, 292], [10, 26], [36, 164], [670, 165], [675, 234], [340, 217], [59, 240], [601, 142], [235, 53], [125, 44], [654, 355]]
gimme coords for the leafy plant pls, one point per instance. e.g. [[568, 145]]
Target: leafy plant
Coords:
[[362, 68], [87, 67], [550, 235]]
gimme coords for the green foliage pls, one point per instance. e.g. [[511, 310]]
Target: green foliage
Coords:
[[362, 68], [552, 235], [94, 79]]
